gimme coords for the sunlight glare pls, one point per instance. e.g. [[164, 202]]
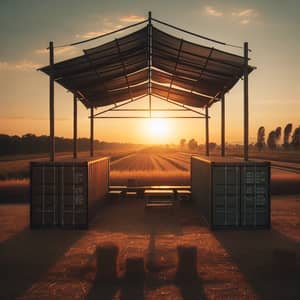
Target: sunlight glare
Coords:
[[158, 128]]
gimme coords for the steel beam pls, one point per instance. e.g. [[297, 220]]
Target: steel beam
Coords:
[[153, 109], [92, 132], [152, 117], [175, 68], [206, 132], [51, 102], [74, 126], [116, 106], [223, 125], [124, 69], [149, 60], [246, 104], [180, 105], [202, 70]]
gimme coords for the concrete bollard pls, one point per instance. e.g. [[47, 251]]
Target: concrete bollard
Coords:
[[135, 270], [187, 263], [107, 257]]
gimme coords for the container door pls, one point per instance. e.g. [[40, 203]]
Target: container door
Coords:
[[44, 195], [73, 196], [226, 195], [255, 195]]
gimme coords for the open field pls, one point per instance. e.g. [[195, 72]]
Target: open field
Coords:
[[17, 167], [165, 167], [156, 158], [291, 156], [152, 169], [62, 264]]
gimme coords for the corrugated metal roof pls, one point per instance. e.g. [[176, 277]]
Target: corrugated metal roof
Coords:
[[176, 69]]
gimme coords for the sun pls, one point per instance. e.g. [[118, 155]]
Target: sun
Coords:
[[158, 128]]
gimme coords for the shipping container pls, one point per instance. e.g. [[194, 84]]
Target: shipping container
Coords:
[[66, 193], [231, 193]]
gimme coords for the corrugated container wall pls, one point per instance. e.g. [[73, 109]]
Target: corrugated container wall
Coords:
[[232, 193], [65, 193]]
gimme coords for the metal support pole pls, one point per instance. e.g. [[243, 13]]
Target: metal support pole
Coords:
[[223, 125], [246, 104], [51, 102], [92, 132], [74, 126], [149, 60], [206, 131]]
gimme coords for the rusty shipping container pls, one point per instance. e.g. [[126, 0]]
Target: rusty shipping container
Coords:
[[231, 193], [66, 193]]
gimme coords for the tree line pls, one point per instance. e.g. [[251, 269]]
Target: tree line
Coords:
[[290, 140], [32, 144], [192, 145]]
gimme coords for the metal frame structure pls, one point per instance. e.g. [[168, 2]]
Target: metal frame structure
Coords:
[[116, 107]]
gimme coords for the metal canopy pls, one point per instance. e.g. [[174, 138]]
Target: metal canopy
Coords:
[[149, 62]]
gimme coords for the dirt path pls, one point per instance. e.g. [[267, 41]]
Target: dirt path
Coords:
[[60, 264]]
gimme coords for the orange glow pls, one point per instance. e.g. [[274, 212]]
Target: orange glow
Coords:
[[158, 128]]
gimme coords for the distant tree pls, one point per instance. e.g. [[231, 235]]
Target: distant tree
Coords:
[[272, 140], [192, 144], [212, 146], [260, 138], [278, 135], [30, 143], [182, 143], [287, 134], [296, 138]]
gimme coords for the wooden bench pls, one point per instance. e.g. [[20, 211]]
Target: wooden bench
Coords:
[[184, 196], [159, 198], [115, 194]]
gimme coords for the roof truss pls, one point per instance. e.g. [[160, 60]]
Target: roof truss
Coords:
[[149, 62]]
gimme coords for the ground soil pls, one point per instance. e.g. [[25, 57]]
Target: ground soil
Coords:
[[282, 183], [144, 248], [133, 253]]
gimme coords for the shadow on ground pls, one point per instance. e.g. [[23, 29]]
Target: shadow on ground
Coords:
[[268, 260], [27, 256], [138, 279]]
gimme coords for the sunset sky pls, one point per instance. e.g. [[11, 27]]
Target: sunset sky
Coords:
[[271, 27]]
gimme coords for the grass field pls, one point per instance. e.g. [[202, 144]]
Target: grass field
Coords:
[[154, 159], [63, 264], [158, 166], [17, 167]]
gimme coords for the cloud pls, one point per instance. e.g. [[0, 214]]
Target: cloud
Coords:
[[242, 16], [245, 16], [111, 24], [132, 19], [24, 65], [92, 34], [245, 21], [58, 51], [211, 11], [245, 13]]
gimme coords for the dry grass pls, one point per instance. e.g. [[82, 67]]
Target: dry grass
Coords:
[[292, 156], [152, 177], [17, 167], [14, 182], [63, 264], [284, 183], [14, 191]]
